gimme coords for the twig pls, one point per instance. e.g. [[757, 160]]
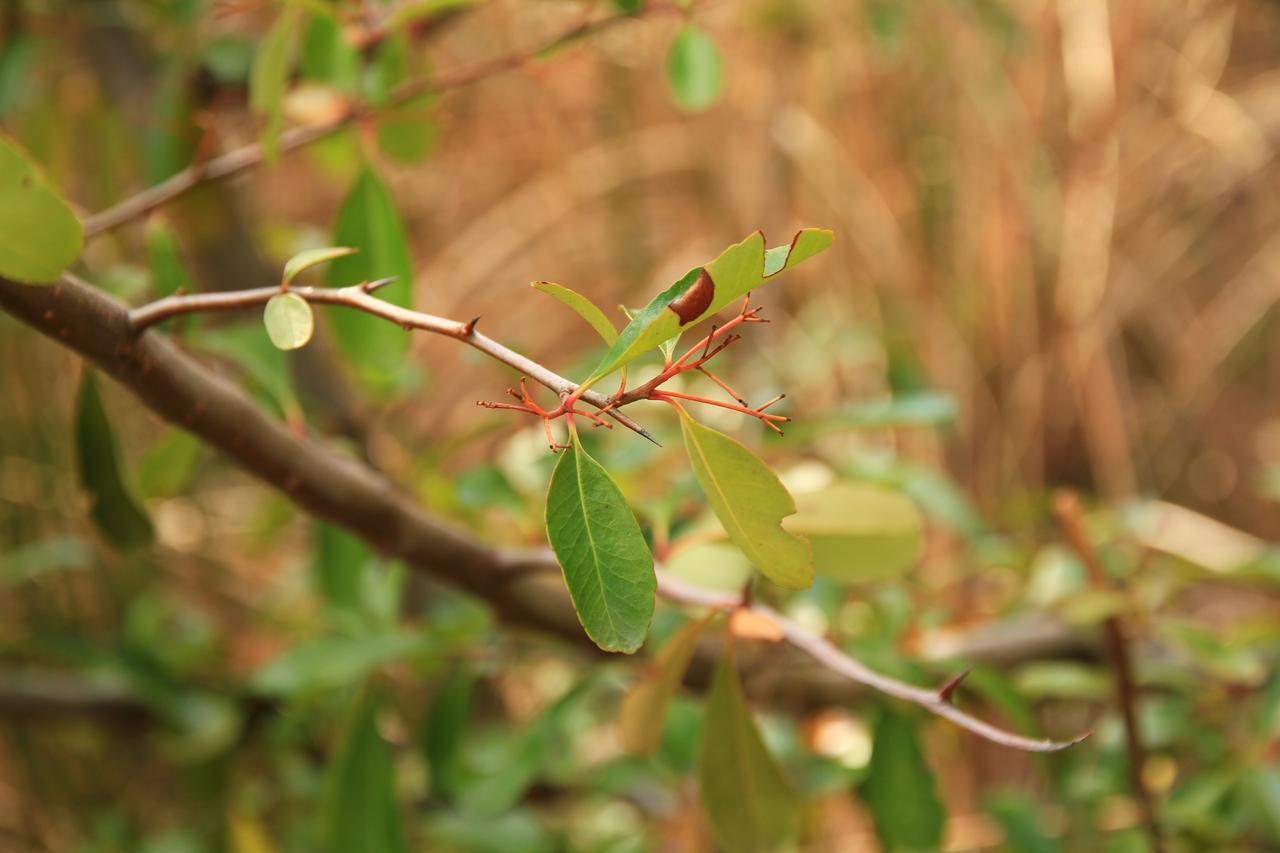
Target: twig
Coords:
[[242, 159], [822, 651], [1070, 518], [359, 297]]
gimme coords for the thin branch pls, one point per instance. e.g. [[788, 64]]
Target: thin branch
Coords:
[[517, 583], [250, 156], [358, 297], [1070, 518], [830, 657]]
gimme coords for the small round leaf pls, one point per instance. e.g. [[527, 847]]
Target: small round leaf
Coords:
[[289, 321]]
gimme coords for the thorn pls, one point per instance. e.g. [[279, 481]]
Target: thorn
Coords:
[[371, 286], [470, 328], [949, 687]]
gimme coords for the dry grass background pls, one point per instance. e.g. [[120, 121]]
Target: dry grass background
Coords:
[[1062, 213]]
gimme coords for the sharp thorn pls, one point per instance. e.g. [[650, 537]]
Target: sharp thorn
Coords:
[[645, 434], [470, 328], [371, 286], [949, 687]]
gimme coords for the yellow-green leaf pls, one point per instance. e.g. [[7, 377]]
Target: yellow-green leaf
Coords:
[[606, 562], [312, 257], [706, 290], [644, 708], [747, 798], [750, 501], [39, 235], [585, 308], [288, 320], [859, 532]]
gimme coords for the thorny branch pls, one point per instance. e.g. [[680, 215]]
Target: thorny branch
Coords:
[[361, 298], [819, 649]]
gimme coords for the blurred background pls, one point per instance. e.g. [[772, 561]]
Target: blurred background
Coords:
[[1055, 266]]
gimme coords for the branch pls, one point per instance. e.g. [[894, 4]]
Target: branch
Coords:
[[360, 298], [826, 654], [1066, 509], [250, 156], [522, 585]]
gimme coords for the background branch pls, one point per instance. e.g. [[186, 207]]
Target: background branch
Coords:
[[1070, 518], [252, 155]]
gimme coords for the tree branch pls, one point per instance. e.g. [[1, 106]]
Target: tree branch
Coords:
[[522, 585], [250, 156]]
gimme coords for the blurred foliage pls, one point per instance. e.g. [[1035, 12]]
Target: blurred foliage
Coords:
[[1054, 266]]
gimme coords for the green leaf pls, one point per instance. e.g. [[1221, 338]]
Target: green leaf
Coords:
[[170, 135], [310, 258], [695, 71], [265, 367], [39, 235], [167, 466], [704, 291], [416, 10], [750, 502], [606, 562], [585, 308], [360, 811], [750, 804], [644, 708], [288, 320], [900, 790], [270, 77], [327, 56], [518, 829], [442, 734], [331, 662], [369, 222], [168, 272], [407, 133], [1022, 824], [859, 532], [531, 755], [36, 559], [114, 510], [387, 69], [341, 561]]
